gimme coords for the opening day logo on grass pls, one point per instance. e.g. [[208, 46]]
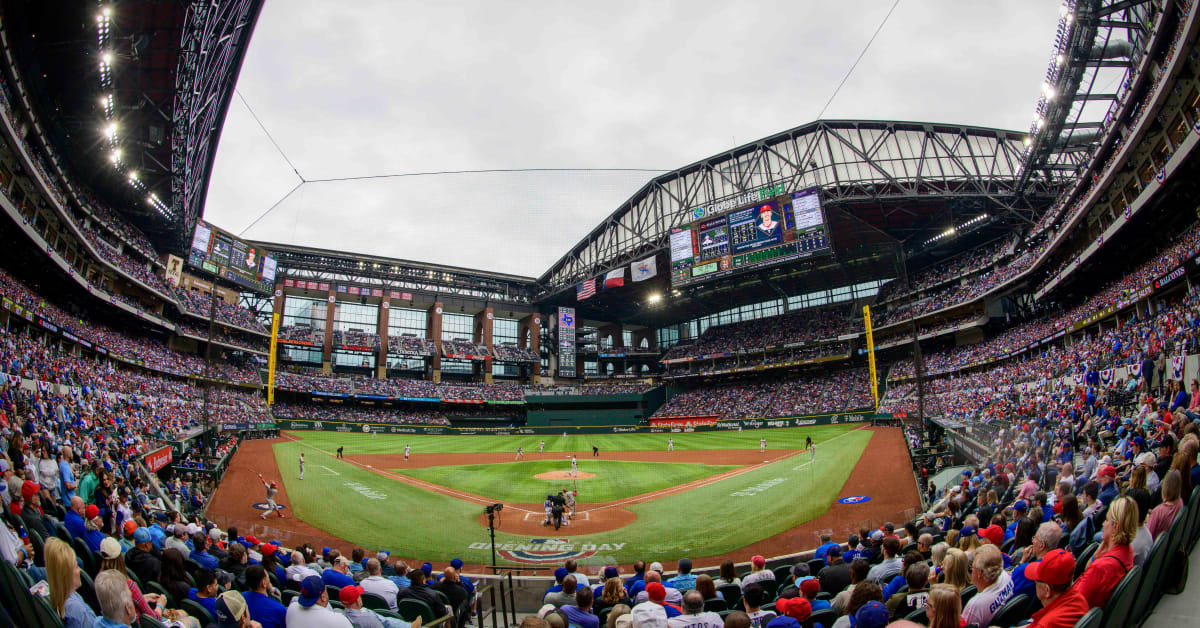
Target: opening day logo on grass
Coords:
[[854, 499], [541, 551]]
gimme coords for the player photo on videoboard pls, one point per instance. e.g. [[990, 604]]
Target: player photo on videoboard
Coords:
[[755, 227]]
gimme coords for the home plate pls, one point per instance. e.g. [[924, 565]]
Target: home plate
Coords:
[[536, 516]]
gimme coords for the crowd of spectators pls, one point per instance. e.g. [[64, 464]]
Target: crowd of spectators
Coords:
[[751, 360], [409, 344], [460, 346], [230, 337], [946, 270], [408, 414], [302, 333], [785, 396], [198, 303], [356, 338], [776, 331], [509, 352], [397, 387]]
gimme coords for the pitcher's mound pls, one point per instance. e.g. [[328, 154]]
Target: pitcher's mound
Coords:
[[564, 475]]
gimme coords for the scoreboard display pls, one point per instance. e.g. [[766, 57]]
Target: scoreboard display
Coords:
[[217, 252], [775, 228]]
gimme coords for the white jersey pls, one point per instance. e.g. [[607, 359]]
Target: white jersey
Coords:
[[407, 449], [574, 463]]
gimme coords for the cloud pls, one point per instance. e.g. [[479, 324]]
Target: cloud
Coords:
[[394, 87]]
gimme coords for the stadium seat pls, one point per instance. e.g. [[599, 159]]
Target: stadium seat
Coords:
[[715, 605], [195, 609], [783, 574], [192, 567], [38, 544], [87, 591], [154, 587], [61, 532], [287, 595], [148, 621], [1014, 610], [1084, 556], [825, 596], [918, 616], [334, 592], [731, 592], [43, 615], [967, 593], [815, 566], [825, 617], [11, 592], [1144, 599], [83, 553], [374, 601], [770, 588], [1117, 609], [1194, 522], [1091, 619], [911, 547], [1007, 546], [412, 608]]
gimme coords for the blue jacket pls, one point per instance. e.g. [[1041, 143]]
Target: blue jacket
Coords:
[[74, 524], [265, 610]]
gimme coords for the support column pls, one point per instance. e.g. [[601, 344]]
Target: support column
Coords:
[[647, 334], [483, 325], [382, 329], [433, 331], [529, 336], [327, 346]]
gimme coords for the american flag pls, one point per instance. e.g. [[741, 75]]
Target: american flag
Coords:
[[585, 290]]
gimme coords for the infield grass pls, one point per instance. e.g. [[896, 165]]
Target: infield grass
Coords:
[[615, 479], [373, 509]]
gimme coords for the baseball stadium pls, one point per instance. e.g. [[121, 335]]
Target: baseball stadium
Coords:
[[853, 372]]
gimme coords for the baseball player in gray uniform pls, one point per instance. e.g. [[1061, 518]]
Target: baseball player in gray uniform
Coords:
[[271, 491], [301, 466]]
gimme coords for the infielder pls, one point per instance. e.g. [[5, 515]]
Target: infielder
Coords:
[[670, 444], [407, 450], [595, 451], [808, 442], [520, 453], [271, 490], [301, 465], [762, 445], [541, 446]]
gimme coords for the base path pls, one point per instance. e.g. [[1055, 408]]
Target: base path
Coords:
[[883, 473], [565, 475]]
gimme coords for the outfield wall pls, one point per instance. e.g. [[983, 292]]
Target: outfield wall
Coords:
[[680, 426]]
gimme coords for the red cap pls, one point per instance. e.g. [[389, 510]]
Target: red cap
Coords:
[[269, 549], [656, 592], [797, 608], [994, 534], [810, 587], [29, 489], [1055, 568], [758, 561], [252, 541], [91, 512], [764, 209], [1109, 470], [350, 594], [131, 526]]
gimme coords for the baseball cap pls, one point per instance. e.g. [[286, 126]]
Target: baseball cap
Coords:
[[3, 465], [142, 535], [269, 549], [1147, 458], [1055, 568], [758, 561], [1139, 441], [657, 566], [252, 541], [649, 615], [91, 512], [457, 563], [110, 548], [310, 590], [231, 607], [350, 594], [560, 573], [967, 530], [427, 567], [877, 535], [812, 586], [656, 592], [130, 526], [873, 614], [1109, 471], [994, 534], [29, 489], [1021, 506], [342, 560], [611, 572], [783, 621], [797, 608]]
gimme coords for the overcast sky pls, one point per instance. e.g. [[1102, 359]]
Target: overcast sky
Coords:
[[393, 87]]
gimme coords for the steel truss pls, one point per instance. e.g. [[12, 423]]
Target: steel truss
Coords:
[[851, 161], [215, 36]]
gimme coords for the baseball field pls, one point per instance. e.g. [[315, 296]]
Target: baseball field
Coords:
[[716, 494]]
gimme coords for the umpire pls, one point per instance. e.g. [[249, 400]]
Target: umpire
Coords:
[[557, 510]]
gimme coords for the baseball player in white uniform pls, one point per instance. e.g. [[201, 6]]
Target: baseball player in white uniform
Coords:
[[541, 446], [570, 495], [301, 466], [574, 467], [407, 450], [271, 491], [762, 445], [670, 444], [520, 453]]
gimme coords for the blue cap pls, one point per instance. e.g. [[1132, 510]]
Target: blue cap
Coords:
[[324, 550], [1139, 441], [457, 563], [427, 568], [1021, 506], [873, 614], [141, 535], [783, 621], [310, 590], [611, 572], [560, 573], [966, 531]]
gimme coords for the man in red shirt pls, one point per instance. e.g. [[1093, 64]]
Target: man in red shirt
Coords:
[[1062, 604]]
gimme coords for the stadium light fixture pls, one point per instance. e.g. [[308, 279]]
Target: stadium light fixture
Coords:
[[115, 155], [111, 130], [654, 298], [106, 58]]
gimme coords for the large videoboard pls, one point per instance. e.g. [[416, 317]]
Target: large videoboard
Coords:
[[217, 252], [765, 228]]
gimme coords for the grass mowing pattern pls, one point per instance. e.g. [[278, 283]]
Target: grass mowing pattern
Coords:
[[377, 512], [615, 479]]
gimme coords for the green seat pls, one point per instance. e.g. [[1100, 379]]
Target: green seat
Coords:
[[61, 532], [967, 593], [155, 587], [1084, 556], [412, 608], [84, 554], [1117, 609], [783, 574], [87, 591], [334, 592], [825, 617], [918, 616], [715, 605], [197, 610], [148, 621], [1090, 620], [287, 596], [732, 594], [1152, 569], [375, 602], [43, 616], [1014, 610], [770, 588]]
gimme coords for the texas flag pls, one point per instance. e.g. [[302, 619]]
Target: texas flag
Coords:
[[614, 278]]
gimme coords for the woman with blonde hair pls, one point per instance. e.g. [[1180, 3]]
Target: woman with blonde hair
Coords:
[[614, 594], [943, 607], [956, 569], [1114, 557], [62, 574]]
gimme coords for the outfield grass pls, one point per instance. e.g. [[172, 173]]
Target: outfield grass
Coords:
[[615, 479], [378, 512]]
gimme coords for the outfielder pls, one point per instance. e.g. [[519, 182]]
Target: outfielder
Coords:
[[541, 446], [301, 465], [670, 444], [271, 490], [520, 453], [762, 445], [407, 450]]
